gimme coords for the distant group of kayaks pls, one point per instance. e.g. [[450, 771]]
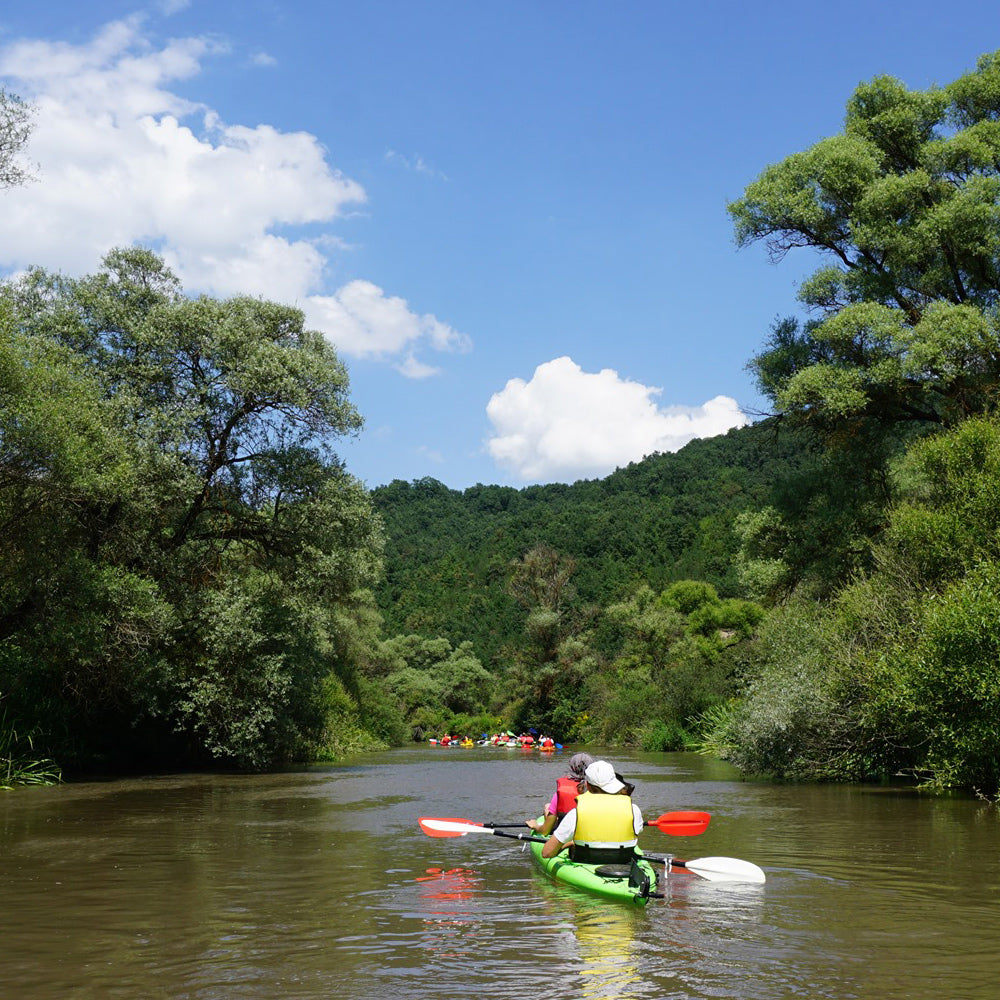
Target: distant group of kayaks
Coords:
[[525, 741]]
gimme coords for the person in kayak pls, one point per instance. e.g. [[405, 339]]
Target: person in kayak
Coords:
[[604, 826], [564, 797]]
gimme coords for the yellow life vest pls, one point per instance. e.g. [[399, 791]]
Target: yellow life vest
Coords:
[[604, 821]]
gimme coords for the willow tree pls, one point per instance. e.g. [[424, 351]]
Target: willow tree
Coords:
[[181, 540], [901, 337], [902, 341], [904, 207]]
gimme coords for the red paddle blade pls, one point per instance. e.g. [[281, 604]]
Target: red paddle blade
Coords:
[[429, 824], [684, 823]]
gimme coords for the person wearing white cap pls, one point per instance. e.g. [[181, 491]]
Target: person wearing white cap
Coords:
[[605, 825]]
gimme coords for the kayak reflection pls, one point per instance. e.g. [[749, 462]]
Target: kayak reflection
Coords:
[[597, 945], [608, 969]]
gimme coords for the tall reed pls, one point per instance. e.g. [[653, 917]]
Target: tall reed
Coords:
[[18, 764]]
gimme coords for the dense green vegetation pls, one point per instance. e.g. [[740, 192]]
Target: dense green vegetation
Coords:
[[874, 554], [449, 554], [893, 668], [569, 595], [182, 554], [188, 574]]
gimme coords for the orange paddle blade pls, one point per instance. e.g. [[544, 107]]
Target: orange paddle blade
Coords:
[[684, 823], [449, 826]]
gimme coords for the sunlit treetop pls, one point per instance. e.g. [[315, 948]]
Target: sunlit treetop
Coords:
[[904, 204]]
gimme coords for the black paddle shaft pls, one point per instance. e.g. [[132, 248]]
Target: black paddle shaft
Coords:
[[519, 836]]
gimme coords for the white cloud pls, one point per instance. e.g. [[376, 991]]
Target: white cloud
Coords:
[[431, 454], [412, 367], [415, 163], [123, 159], [366, 323], [567, 424]]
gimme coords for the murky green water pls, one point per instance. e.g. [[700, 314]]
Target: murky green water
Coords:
[[319, 883]]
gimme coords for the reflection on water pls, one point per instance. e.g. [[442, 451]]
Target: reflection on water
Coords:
[[455, 883], [606, 942], [451, 927], [318, 883]]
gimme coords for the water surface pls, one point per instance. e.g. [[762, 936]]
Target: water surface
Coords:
[[319, 883]]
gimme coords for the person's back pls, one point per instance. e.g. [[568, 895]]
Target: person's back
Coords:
[[604, 826], [605, 831], [568, 786]]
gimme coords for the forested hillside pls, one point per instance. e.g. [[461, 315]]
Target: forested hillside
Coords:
[[669, 517]]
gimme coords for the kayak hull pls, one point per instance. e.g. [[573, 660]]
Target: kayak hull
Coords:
[[600, 880]]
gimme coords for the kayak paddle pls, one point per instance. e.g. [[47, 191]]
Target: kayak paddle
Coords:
[[449, 827], [679, 824], [713, 869], [460, 827]]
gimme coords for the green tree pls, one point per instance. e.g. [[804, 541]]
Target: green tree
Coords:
[[432, 681], [794, 716], [540, 579], [931, 677], [898, 673], [904, 205], [191, 536], [902, 338], [544, 685], [671, 661]]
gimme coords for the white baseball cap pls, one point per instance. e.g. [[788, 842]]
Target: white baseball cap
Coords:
[[602, 775]]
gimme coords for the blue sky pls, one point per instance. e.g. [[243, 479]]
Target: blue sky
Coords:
[[510, 217]]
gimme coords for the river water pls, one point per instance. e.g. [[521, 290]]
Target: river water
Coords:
[[319, 883]]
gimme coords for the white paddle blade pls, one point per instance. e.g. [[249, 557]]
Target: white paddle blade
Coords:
[[453, 826], [726, 870]]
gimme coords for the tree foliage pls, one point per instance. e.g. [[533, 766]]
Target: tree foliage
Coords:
[[904, 205], [671, 659], [15, 129], [895, 669], [179, 534], [188, 573], [669, 517], [433, 681]]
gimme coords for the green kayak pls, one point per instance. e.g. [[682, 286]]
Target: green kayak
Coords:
[[635, 883]]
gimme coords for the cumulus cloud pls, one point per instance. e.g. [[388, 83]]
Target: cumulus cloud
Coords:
[[123, 159], [566, 424], [366, 323]]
